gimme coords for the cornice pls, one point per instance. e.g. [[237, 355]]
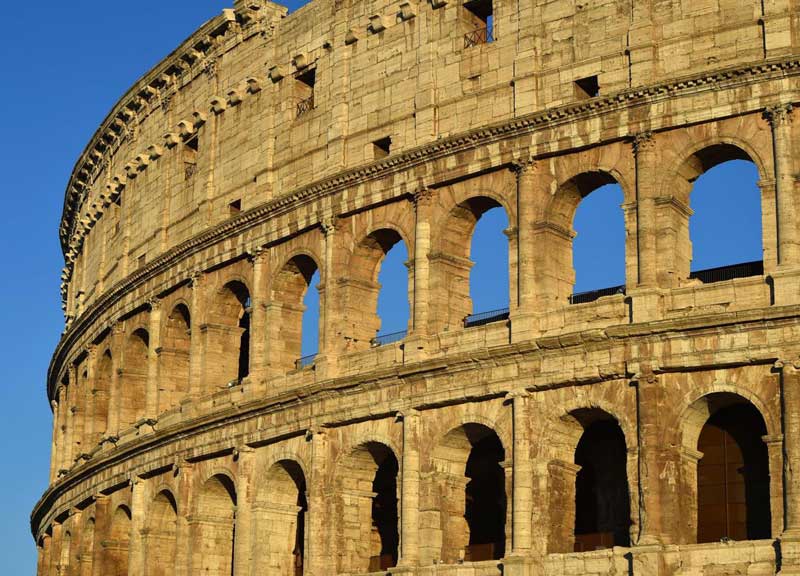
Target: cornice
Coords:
[[550, 118]]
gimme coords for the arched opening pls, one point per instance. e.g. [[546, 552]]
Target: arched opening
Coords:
[[227, 335], [470, 266], [309, 344], [174, 358], [283, 507], [732, 475], [87, 547], [377, 291], [368, 479], [66, 552], [287, 322], [722, 239], [116, 547], [160, 540], [470, 479], [99, 397], [602, 497], [214, 527], [598, 249], [133, 378]]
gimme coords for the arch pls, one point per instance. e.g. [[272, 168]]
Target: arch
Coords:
[[174, 357], [227, 334], [87, 546], [727, 476], [282, 508], [213, 526], [115, 549], [160, 539], [471, 486], [691, 173], [285, 314], [451, 262], [368, 508], [133, 378], [100, 395], [66, 552], [362, 290]]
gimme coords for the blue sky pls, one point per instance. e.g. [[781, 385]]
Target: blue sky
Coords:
[[64, 66]]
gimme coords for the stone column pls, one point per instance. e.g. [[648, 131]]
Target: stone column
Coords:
[[55, 549], [646, 225], [70, 396], [102, 530], [522, 494], [151, 398], [54, 443], [774, 445], [113, 387], [409, 493], [650, 401], [779, 118], [136, 548], [196, 352], [258, 316], [423, 203], [183, 546], [525, 172], [61, 422], [790, 390], [329, 347], [317, 561], [243, 543]]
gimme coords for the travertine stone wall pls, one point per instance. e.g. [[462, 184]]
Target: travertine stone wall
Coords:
[[189, 437]]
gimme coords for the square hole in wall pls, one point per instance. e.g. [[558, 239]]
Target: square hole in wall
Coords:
[[235, 207], [588, 87], [381, 147], [141, 261]]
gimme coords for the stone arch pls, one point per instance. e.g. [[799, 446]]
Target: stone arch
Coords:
[[469, 504], [212, 526], [450, 259], [673, 208], [361, 289], [174, 356], [87, 545], [725, 473], [133, 377], [115, 549], [227, 334], [285, 310], [100, 395], [160, 536], [367, 480], [65, 562], [281, 511]]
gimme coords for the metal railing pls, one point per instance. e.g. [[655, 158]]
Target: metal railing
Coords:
[[384, 339], [305, 361], [592, 295], [482, 318], [723, 273], [305, 105], [479, 36]]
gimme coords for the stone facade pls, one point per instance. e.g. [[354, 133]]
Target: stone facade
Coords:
[[188, 439]]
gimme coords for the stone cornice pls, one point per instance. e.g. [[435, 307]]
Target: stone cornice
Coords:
[[726, 78]]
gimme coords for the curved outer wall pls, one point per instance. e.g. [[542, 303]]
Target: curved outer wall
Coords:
[[257, 153]]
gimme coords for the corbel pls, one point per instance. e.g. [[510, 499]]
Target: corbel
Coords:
[[407, 12], [186, 128], [148, 92], [127, 114], [171, 139], [253, 85], [119, 180], [351, 37], [436, 4], [131, 170], [299, 61], [199, 118], [143, 161], [276, 73], [155, 151], [192, 55], [376, 24], [118, 125], [218, 104], [234, 97]]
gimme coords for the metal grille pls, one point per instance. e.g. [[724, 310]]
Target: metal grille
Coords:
[[305, 105], [305, 361], [592, 295], [479, 36], [486, 317], [729, 272], [385, 339]]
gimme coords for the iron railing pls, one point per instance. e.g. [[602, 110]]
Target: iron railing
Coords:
[[305, 105], [482, 318], [723, 273], [305, 361], [385, 339], [592, 295], [479, 36]]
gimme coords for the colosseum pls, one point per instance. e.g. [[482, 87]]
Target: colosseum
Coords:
[[651, 429]]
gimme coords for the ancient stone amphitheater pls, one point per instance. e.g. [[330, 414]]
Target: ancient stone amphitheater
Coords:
[[649, 429]]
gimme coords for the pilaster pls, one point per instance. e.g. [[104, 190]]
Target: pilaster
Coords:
[[154, 329], [409, 494]]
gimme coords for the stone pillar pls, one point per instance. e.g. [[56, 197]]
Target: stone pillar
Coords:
[[61, 423], [774, 445], [196, 351], [525, 171], [329, 346], [522, 485], [651, 401], [258, 317], [183, 545], [779, 118], [790, 391], [55, 549], [136, 548], [70, 397], [317, 561], [102, 531], [409, 493], [646, 226], [243, 543], [151, 398], [54, 443], [423, 202], [113, 387]]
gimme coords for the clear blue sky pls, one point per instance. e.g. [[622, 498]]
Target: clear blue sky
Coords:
[[64, 66]]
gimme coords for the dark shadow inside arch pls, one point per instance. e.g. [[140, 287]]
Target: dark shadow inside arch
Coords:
[[485, 503], [384, 507], [602, 499]]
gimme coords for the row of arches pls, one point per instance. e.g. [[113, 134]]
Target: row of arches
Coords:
[[466, 515]]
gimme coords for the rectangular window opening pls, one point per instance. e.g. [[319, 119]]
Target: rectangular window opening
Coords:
[[141, 261], [382, 147], [588, 87], [235, 207], [478, 22], [304, 90], [190, 149]]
